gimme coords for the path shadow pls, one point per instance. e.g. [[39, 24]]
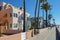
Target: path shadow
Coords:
[[57, 34]]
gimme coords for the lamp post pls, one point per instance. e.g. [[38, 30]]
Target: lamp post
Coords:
[[24, 16]]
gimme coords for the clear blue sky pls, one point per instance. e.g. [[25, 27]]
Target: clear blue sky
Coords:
[[30, 5]]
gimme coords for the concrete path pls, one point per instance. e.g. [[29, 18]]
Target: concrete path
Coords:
[[49, 34]]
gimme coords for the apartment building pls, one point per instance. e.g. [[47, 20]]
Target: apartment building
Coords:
[[11, 18]]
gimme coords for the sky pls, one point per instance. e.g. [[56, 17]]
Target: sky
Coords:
[[30, 6]]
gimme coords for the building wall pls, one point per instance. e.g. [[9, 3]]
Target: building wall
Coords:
[[15, 24], [41, 22], [28, 23], [21, 19], [5, 17]]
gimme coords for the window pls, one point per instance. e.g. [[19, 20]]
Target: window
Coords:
[[0, 8], [28, 18], [18, 12], [10, 14], [15, 25], [23, 17], [10, 25], [15, 15], [0, 24], [5, 15]]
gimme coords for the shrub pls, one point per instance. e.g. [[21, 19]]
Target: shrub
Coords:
[[30, 28]]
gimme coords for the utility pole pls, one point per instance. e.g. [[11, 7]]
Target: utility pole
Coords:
[[24, 16]]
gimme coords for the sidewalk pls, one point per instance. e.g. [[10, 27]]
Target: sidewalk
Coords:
[[48, 34]]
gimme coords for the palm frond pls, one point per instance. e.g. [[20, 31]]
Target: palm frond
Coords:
[[43, 1], [49, 16], [46, 6]]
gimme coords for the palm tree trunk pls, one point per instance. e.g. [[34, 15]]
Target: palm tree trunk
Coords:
[[35, 16], [49, 23], [43, 17], [46, 18], [35, 12], [24, 16], [38, 13]]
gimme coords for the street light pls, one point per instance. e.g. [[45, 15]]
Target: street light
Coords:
[[24, 16]]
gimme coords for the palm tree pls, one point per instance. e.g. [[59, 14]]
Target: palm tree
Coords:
[[49, 18], [40, 1], [43, 1], [46, 7]]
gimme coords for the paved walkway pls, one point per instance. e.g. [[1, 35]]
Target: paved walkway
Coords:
[[49, 34]]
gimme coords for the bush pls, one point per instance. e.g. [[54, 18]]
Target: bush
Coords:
[[30, 28]]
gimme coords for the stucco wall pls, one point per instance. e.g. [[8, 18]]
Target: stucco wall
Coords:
[[6, 20], [12, 37], [29, 34]]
